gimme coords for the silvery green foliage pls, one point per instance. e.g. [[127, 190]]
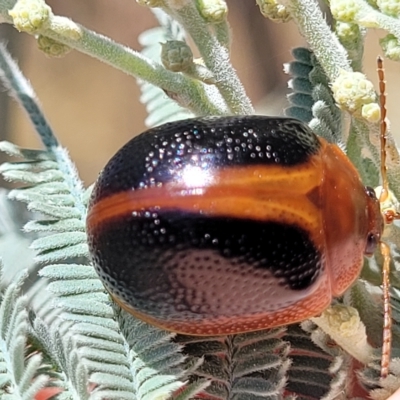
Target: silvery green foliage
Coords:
[[14, 243], [361, 297], [48, 191], [327, 366], [157, 360], [311, 100], [246, 366], [20, 378]]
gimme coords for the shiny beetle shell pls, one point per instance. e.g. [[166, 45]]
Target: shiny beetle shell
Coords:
[[223, 225]]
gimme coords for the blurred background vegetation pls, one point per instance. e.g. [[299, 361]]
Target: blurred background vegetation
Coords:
[[99, 108]]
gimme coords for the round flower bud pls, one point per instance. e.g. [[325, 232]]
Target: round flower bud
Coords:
[[176, 56], [213, 11], [347, 32], [274, 11], [389, 7], [390, 46], [344, 10], [352, 90], [371, 112], [51, 47], [30, 16]]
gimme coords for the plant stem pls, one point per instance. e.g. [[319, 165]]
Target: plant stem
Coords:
[[216, 57], [127, 60], [326, 46]]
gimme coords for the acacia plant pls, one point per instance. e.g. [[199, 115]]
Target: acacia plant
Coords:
[[62, 335]]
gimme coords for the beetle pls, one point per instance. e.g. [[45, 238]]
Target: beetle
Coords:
[[223, 225]]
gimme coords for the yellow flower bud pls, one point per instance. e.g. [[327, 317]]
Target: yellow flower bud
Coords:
[[52, 47], [274, 11], [344, 10], [213, 11], [391, 47], [371, 112], [347, 32], [31, 16], [352, 90], [389, 7]]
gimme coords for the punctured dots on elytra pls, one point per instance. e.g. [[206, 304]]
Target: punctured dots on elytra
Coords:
[[222, 225]]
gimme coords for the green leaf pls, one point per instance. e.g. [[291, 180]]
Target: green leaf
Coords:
[[17, 375]]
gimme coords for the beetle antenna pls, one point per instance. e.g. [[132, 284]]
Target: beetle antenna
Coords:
[[382, 129], [387, 311], [384, 247]]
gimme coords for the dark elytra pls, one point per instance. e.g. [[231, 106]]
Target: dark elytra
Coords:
[[147, 252], [142, 261], [157, 154]]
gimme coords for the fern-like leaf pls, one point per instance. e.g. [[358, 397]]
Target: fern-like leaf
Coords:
[[246, 366], [158, 365], [311, 100], [319, 369], [14, 244], [18, 376]]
